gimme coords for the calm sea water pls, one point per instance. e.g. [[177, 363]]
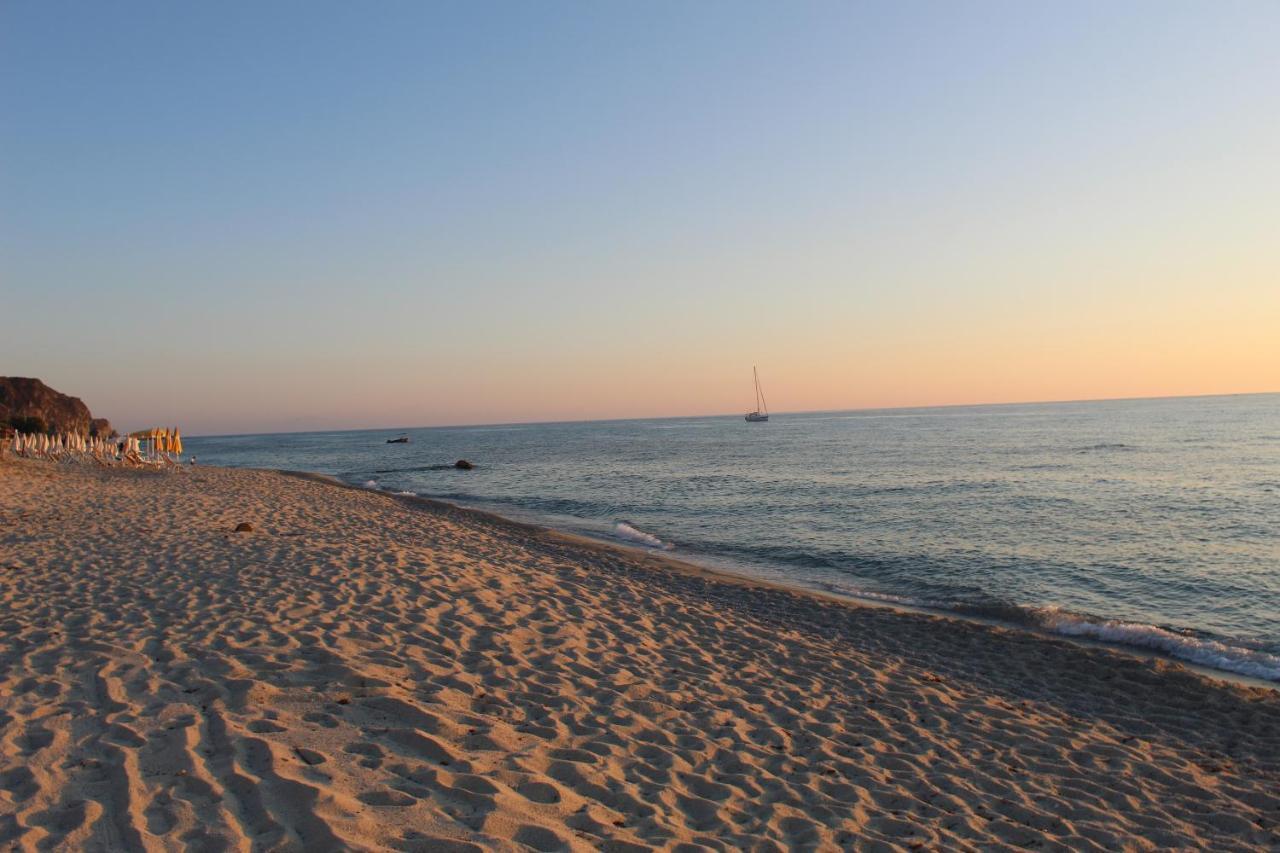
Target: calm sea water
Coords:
[[1153, 523]]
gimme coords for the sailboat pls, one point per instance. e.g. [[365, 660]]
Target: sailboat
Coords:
[[762, 408]]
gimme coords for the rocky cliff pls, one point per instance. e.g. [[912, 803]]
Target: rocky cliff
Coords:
[[32, 406]]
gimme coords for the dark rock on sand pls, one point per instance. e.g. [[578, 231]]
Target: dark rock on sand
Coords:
[[244, 527]]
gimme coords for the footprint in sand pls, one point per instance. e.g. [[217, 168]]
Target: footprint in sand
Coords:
[[372, 753], [20, 784], [539, 792], [320, 718], [33, 739], [264, 727], [539, 838], [386, 797], [419, 843]]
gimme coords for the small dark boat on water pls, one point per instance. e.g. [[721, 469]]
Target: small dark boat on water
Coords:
[[404, 439]]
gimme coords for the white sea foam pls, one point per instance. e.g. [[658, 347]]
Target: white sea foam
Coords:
[[625, 531], [407, 494], [883, 597], [371, 484], [1202, 651], [1205, 652]]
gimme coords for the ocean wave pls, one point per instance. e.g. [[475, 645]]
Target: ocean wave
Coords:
[[560, 508], [1104, 446], [1204, 651], [881, 597], [632, 534], [1236, 657]]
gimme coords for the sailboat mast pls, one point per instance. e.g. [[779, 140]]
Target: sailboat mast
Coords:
[[761, 405], [755, 375]]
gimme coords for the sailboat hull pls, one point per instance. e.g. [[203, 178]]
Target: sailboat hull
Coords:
[[756, 417]]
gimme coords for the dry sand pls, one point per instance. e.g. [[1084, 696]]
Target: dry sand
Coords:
[[368, 672]]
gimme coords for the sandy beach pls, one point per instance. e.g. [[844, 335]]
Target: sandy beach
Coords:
[[364, 671]]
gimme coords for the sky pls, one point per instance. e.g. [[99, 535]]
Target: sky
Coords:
[[250, 217]]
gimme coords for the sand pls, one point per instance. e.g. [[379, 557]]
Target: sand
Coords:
[[363, 671]]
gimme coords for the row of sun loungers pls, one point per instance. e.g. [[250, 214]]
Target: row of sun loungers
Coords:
[[147, 451]]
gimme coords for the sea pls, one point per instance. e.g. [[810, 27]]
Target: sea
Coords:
[[1152, 524]]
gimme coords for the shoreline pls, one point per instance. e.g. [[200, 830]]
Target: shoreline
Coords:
[[725, 570], [364, 670]]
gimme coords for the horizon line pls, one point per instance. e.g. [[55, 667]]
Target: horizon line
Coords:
[[402, 428]]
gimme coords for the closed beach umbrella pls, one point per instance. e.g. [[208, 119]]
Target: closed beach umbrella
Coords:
[[177, 441]]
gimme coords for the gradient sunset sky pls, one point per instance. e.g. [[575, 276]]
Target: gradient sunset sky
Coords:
[[272, 216]]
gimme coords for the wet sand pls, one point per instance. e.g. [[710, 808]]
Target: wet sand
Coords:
[[363, 671]]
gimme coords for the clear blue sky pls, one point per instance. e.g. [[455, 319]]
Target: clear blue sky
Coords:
[[261, 216]]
